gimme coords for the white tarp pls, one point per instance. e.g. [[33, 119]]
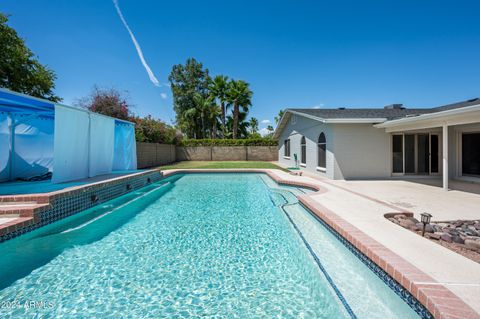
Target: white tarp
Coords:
[[5, 146], [33, 146], [102, 132], [125, 155], [71, 144]]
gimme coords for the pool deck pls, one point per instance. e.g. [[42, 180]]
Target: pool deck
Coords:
[[446, 283]]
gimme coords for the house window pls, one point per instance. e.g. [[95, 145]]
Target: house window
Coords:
[[303, 149], [322, 151], [397, 150], [286, 148], [471, 154]]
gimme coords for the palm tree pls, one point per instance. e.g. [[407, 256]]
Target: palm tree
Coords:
[[218, 90], [253, 125], [203, 106], [279, 116], [243, 125], [240, 96], [213, 114]]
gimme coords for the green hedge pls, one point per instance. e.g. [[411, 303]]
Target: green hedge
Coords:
[[230, 142]]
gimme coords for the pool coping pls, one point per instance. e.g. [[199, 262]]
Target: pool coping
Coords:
[[434, 296]]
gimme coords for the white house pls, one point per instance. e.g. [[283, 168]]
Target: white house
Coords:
[[378, 143]]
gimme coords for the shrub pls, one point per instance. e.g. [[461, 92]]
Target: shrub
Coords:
[[150, 130], [230, 142]]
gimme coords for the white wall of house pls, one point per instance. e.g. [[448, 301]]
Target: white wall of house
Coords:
[[361, 151], [297, 127], [354, 151]]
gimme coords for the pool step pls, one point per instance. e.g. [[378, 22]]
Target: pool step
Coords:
[[22, 209]]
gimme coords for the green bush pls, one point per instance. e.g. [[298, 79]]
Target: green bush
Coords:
[[230, 142]]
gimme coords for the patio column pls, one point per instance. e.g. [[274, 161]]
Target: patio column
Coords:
[[445, 157]]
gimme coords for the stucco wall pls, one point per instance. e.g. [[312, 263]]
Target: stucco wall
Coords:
[[361, 151], [354, 151], [311, 129]]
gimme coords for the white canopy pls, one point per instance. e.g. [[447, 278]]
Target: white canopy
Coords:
[[38, 136]]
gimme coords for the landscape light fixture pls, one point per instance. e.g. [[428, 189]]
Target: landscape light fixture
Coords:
[[425, 218]]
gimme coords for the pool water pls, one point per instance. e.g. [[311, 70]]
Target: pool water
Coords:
[[193, 245]]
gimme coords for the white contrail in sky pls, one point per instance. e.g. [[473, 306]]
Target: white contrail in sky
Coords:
[[137, 46]]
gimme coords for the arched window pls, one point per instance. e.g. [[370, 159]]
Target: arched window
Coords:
[[303, 149], [322, 151]]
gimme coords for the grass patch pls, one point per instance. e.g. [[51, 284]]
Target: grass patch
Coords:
[[220, 164]]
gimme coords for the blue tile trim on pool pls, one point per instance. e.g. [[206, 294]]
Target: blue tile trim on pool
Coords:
[[386, 278], [320, 266]]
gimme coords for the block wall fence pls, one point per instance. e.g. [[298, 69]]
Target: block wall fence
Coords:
[[152, 154]]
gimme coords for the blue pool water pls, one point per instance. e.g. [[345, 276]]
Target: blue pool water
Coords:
[[194, 245]]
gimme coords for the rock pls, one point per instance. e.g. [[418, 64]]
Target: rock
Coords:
[[458, 239], [407, 223], [435, 236], [477, 226], [413, 219], [458, 223], [472, 244], [446, 237], [399, 216], [429, 228], [441, 225]]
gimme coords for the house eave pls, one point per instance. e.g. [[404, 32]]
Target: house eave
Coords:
[[429, 116]]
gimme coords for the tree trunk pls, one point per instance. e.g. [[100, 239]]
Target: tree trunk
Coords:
[[235, 119], [214, 131], [223, 119]]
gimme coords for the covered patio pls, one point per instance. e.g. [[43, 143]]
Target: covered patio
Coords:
[[445, 143]]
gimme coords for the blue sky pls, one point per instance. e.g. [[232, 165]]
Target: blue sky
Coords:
[[293, 53]]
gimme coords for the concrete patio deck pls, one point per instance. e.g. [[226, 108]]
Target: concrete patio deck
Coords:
[[421, 195]]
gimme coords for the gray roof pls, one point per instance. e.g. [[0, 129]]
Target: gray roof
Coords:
[[388, 113]]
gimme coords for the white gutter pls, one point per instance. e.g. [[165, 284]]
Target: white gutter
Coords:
[[355, 120], [429, 116]]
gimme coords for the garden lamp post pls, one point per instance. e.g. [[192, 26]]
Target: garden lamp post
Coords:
[[425, 218]]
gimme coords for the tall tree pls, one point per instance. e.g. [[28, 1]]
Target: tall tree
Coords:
[[279, 116], [206, 110], [19, 68], [109, 102], [243, 125], [186, 80], [253, 125], [218, 90], [240, 96]]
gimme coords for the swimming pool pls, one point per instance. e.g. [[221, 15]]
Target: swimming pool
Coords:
[[193, 245]]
